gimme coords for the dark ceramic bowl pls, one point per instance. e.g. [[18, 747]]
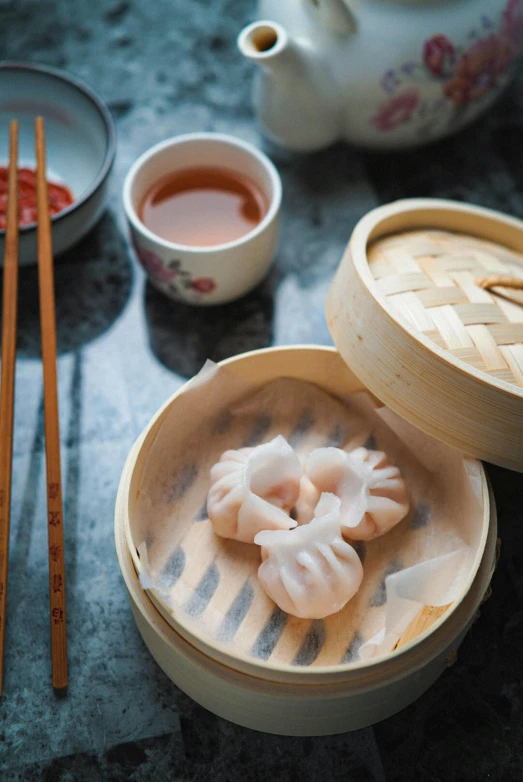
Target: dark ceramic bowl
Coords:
[[80, 145]]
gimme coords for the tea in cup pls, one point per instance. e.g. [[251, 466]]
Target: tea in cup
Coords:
[[203, 211]]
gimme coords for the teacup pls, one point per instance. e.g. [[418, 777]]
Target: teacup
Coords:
[[207, 274]]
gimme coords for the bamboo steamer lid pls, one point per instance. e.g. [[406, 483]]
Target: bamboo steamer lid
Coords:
[[408, 317]]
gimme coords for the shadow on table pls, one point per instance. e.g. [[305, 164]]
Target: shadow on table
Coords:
[[310, 178], [479, 163], [183, 337], [92, 285], [208, 748]]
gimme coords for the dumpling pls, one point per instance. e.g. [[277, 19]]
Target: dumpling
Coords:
[[310, 571], [373, 494], [253, 489]]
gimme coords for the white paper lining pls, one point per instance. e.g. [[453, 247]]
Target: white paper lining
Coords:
[[422, 561]]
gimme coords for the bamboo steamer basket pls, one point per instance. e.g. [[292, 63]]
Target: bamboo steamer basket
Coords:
[[282, 698], [371, 692], [420, 333]]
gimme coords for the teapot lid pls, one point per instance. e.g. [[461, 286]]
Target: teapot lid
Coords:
[[408, 316]]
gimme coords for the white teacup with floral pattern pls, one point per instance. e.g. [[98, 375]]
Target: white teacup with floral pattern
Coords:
[[204, 275]]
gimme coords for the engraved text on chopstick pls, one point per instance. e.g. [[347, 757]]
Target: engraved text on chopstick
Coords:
[[57, 582], [58, 615], [54, 552]]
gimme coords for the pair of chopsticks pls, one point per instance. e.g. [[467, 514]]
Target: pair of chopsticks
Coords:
[[52, 434]]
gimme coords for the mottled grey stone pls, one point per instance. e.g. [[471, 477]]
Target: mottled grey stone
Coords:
[[169, 67]]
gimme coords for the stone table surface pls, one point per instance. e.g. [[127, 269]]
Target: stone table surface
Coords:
[[167, 67]]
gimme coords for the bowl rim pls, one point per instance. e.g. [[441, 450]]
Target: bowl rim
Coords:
[[103, 111], [196, 137]]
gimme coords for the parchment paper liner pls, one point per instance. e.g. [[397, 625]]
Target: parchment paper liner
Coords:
[[209, 585]]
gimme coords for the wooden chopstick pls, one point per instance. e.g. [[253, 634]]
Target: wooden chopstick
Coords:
[[9, 314], [55, 530]]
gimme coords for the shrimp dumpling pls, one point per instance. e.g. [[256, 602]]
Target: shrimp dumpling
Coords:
[[254, 489], [373, 494], [310, 572]]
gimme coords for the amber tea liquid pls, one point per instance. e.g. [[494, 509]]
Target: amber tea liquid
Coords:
[[203, 206]]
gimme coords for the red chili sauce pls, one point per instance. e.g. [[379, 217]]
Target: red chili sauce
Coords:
[[59, 196]]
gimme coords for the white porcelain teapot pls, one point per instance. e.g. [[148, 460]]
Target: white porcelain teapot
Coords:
[[378, 73]]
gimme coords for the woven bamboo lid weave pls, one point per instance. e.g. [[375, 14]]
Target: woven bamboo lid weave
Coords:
[[407, 315]]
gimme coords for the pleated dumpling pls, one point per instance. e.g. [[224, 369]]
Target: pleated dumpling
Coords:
[[310, 572], [254, 489], [373, 494]]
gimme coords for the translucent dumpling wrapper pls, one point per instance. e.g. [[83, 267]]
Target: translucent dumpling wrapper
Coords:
[[254, 489], [310, 572], [374, 496]]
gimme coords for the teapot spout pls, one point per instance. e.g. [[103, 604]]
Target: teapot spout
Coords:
[[264, 43], [295, 95]]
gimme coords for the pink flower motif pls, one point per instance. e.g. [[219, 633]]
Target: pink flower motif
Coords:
[[204, 285], [512, 23], [478, 70], [438, 54], [154, 265], [397, 110]]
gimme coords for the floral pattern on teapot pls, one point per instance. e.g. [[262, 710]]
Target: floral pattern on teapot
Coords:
[[465, 75]]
